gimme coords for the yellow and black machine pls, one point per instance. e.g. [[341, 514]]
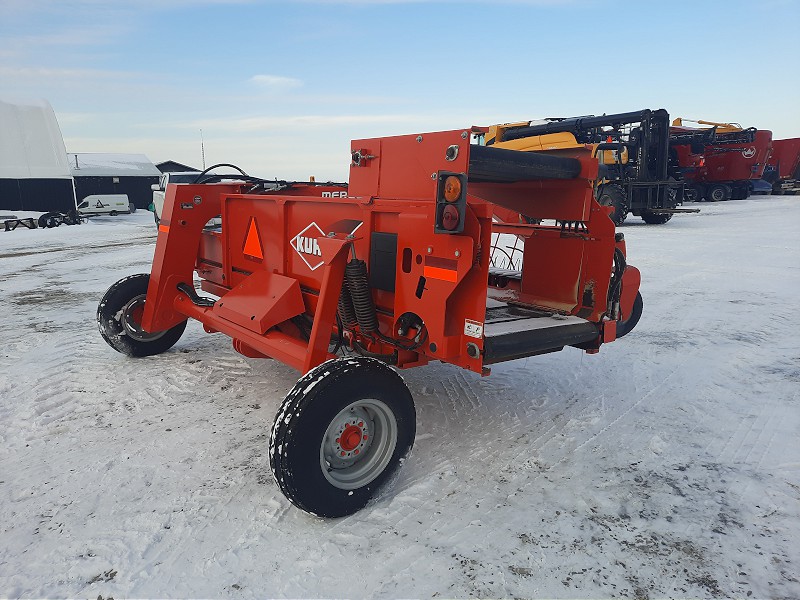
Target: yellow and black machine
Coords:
[[638, 173]]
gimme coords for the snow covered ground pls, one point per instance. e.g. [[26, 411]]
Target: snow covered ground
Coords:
[[666, 465]]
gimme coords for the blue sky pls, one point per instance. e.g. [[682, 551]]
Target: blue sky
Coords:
[[280, 88]]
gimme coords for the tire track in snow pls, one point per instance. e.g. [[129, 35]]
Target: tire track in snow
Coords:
[[763, 424], [611, 425]]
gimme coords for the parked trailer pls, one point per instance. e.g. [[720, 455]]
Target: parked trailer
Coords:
[[720, 166], [783, 166], [393, 271]]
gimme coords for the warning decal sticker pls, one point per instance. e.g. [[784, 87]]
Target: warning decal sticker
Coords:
[[473, 328]]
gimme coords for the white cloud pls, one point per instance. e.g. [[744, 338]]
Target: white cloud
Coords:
[[275, 82]]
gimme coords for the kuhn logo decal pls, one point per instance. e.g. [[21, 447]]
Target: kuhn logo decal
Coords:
[[306, 245], [749, 152]]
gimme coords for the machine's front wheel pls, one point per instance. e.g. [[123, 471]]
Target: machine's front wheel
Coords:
[[119, 318], [340, 434], [614, 195], [625, 326], [694, 193], [655, 218]]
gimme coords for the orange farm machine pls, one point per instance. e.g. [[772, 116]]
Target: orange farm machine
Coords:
[[717, 162], [348, 284]]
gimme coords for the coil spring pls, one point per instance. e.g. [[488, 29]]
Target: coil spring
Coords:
[[347, 313], [355, 276]]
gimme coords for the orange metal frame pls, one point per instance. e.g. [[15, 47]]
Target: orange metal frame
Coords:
[[282, 255]]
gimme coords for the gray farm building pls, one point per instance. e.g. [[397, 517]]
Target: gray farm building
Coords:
[[130, 174], [170, 166]]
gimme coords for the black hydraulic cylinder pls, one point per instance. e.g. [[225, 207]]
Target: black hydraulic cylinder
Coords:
[[699, 136], [578, 124], [498, 165]]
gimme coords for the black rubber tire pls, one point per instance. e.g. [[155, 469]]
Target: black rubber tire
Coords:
[[740, 192], [156, 219], [131, 207], [626, 326], [113, 213], [314, 402], [614, 195], [50, 220], [110, 313], [652, 218], [73, 217], [718, 193], [697, 193]]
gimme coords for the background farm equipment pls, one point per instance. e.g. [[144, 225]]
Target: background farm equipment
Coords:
[[343, 283], [46, 221], [783, 166], [719, 161], [633, 151]]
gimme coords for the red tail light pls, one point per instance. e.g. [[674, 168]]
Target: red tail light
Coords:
[[451, 202]]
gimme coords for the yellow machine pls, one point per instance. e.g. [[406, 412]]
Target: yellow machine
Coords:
[[720, 127], [549, 142], [632, 149]]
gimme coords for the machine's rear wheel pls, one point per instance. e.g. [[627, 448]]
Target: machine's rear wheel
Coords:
[[614, 195], [119, 317], [340, 434], [624, 327], [718, 193]]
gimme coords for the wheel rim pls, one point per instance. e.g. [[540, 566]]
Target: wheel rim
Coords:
[[358, 444], [131, 320], [717, 194]]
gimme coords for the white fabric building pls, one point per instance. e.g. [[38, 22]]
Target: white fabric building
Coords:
[[34, 173]]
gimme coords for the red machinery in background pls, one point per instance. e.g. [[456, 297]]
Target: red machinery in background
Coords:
[[783, 166], [719, 161], [342, 282]]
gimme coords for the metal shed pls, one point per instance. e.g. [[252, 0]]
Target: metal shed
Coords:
[[34, 174], [99, 173]]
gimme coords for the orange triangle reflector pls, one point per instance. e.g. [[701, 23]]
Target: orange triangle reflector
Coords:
[[252, 243]]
